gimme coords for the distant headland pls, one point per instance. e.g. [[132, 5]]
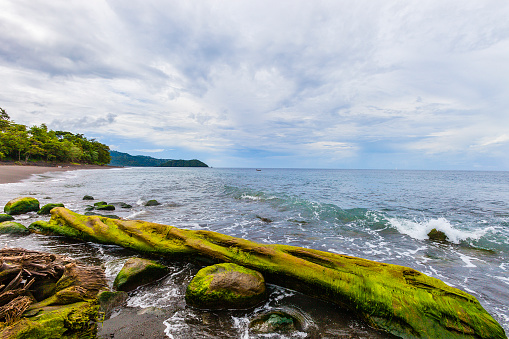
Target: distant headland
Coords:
[[125, 159]]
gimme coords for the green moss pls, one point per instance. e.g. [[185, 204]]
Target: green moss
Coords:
[[203, 293], [137, 272], [100, 203], [393, 298], [105, 207], [13, 227], [5, 217], [21, 205], [48, 207], [74, 321]]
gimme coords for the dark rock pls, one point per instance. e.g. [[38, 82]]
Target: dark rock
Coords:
[[88, 197], [152, 203], [108, 301], [137, 272], [99, 203], [5, 217], [89, 208], [267, 220], [105, 207], [124, 205], [111, 216], [275, 321], [21, 205], [48, 207], [13, 228], [226, 286], [437, 235]]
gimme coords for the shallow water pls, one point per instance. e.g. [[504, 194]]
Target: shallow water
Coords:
[[378, 215]]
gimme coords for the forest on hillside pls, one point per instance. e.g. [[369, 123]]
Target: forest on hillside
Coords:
[[38, 143]]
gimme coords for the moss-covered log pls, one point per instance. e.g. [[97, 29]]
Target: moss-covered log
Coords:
[[396, 299]]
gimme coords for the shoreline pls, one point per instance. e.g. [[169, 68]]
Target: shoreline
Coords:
[[16, 173]]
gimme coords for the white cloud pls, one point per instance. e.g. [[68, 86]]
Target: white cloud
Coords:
[[331, 78]]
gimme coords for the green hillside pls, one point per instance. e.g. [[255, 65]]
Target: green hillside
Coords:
[[125, 159]]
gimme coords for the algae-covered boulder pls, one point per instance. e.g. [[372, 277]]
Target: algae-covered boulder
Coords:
[[21, 205], [437, 235], [137, 272], [392, 298], [226, 286], [13, 228], [48, 207], [88, 197], [111, 216], [100, 203], [109, 301], [105, 207], [152, 203], [5, 217]]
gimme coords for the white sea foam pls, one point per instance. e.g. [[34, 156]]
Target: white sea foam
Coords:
[[135, 214], [420, 229]]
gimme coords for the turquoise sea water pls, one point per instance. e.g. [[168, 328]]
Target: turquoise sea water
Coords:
[[380, 215]]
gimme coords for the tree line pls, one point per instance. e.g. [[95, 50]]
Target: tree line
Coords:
[[38, 143]]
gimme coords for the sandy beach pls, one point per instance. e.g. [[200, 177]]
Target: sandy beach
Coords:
[[15, 173]]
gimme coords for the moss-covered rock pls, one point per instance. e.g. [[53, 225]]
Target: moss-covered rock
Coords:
[[89, 208], [137, 272], [393, 298], [100, 203], [152, 203], [109, 301], [13, 228], [110, 216], [105, 207], [437, 235], [88, 197], [21, 205], [47, 208], [124, 205], [226, 286], [5, 217]]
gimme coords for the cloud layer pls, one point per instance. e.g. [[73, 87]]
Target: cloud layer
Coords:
[[364, 84]]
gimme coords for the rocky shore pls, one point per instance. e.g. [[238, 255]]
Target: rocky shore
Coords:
[[390, 298]]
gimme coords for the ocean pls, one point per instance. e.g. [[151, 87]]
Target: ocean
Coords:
[[381, 215]]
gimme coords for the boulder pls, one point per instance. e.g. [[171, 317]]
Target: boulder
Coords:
[[111, 216], [5, 217], [392, 298], [48, 207], [226, 286], [437, 235], [137, 272], [152, 203], [21, 205], [100, 203], [89, 208], [109, 301], [88, 197], [124, 205], [13, 228]]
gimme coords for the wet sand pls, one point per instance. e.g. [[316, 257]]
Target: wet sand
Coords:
[[15, 173]]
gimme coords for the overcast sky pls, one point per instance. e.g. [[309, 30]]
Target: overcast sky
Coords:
[[313, 84]]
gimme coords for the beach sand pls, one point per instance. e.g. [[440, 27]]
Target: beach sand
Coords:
[[15, 173]]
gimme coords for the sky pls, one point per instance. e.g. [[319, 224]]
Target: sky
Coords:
[[293, 84]]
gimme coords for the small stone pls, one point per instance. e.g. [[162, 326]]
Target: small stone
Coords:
[[88, 197], [48, 207], [152, 203], [267, 220], [5, 217]]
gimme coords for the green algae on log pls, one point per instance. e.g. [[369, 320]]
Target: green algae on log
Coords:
[[392, 298]]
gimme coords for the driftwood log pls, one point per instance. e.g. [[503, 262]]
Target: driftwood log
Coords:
[[392, 298]]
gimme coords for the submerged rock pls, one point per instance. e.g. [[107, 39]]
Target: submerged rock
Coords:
[[100, 203], [437, 235], [137, 272], [267, 220], [21, 205], [392, 298], [124, 205], [105, 207], [276, 321], [48, 207], [152, 203], [226, 286], [5, 217], [88, 197], [13, 228]]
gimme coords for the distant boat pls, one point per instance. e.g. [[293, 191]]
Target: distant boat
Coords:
[[259, 170]]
